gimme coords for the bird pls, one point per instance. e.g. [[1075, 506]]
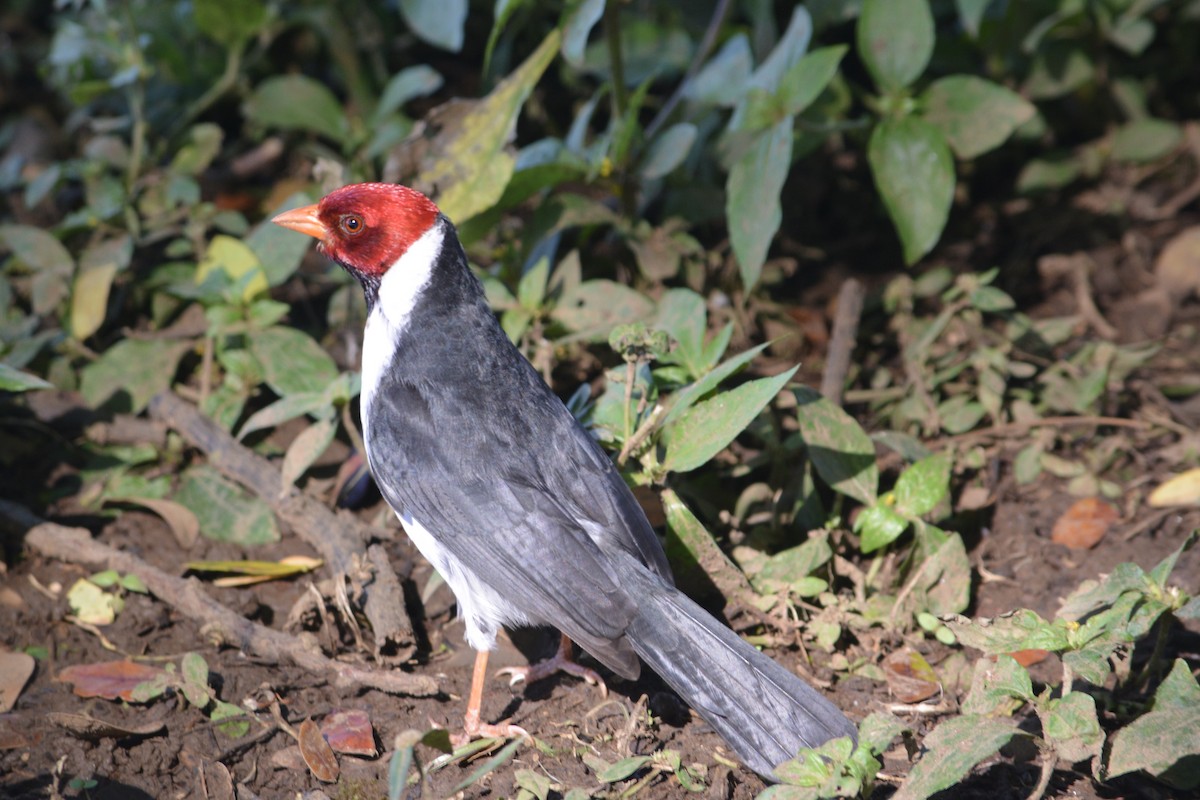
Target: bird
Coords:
[[514, 502]]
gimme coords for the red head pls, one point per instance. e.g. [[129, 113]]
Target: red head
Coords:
[[365, 227]]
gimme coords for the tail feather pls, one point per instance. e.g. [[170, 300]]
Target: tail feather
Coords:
[[762, 710]]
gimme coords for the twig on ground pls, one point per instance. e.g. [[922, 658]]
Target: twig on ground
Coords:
[[841, 343], [75, 545], [339, 537]]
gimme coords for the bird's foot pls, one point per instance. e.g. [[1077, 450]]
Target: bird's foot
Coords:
[[557, 663], [473, 728]]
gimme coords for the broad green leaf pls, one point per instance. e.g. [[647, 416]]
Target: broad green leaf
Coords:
[[1145, 140], [838, 447], [879, 526], [945, 576], [623, 769], [1132, 34], [473, 167], [531, 289], [686, 397], [236, 260], [1058, 69], [708, 427], [952, 749], [278, 249], [970, 14], [914, 173], [593, 308], [91, 604], [1160, 739], [230, 23], [975, 115], [1020, 630], [132, 371], [1071, 725], [722, 81], [98, 265], [292, 362], [789, 566], [204, 143], [226, 513], [1052, 172], [438, 22], [14, 380], [923, 485], [682, 313], [194, 668], [807, 78], [668, 151], [579, 18], [752, 198], [46, 258], [996, 685], [299, 103], [408, 83], [306, 448], [231, 720], [895, 40]]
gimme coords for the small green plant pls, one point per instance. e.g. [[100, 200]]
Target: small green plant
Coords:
[[191, 680], [1094, 634], [90, 602], [837, 768]]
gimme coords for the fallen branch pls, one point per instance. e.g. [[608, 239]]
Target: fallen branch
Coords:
[[75, 545], [339, 537], [841, 343]]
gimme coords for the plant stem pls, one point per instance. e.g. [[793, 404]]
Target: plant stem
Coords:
[[233, 64], [706, 46], [612, 35], [630, 377]]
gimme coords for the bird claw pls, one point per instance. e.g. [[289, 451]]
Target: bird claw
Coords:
[[544, 669], [481, 730]]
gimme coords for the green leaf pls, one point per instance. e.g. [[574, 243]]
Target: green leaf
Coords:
[[1164, 737], [879, 526], [752, 198], [405, 85], [975, 115], [838, 447], [131, 372], [292, 362], [490, 765], [807, 78], [473, 167], [236, 260], [722, 81], [1052, 172], [895, 40], [685, 398], [1058, 69], [1071, 725], [14, 380], [93, 605], [1145, 140], [593, 308], [298, 103], [668, 151], [230, 23], [225, 512], [914, 173], [279, 250], [953, 748], [531, 290], [970, 14], [788, 566], [231, 720], [46, 258], [579, 17], [623, 769], [1021, 630], [682, 313], [194, 668], [923, 485], [708, 427], [438, 22]]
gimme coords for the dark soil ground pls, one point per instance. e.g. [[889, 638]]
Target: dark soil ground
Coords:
[[190, 758]]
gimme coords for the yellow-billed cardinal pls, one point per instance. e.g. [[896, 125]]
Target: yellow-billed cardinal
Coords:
[[512, 501]]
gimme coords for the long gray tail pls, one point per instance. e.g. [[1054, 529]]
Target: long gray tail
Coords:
[[762, 710]]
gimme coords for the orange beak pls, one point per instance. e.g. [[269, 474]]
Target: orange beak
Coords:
[[305, 220]]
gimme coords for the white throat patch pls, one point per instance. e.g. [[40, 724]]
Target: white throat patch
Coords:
[[399, 288]]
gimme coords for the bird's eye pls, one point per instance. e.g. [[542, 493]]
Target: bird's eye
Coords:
[[352, 225]]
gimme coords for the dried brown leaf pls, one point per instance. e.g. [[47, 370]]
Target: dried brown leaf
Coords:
[[349, 731], [317, 753], [15, 669], [87, 727], [909, 676], [1084, 524], [112, 680]]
